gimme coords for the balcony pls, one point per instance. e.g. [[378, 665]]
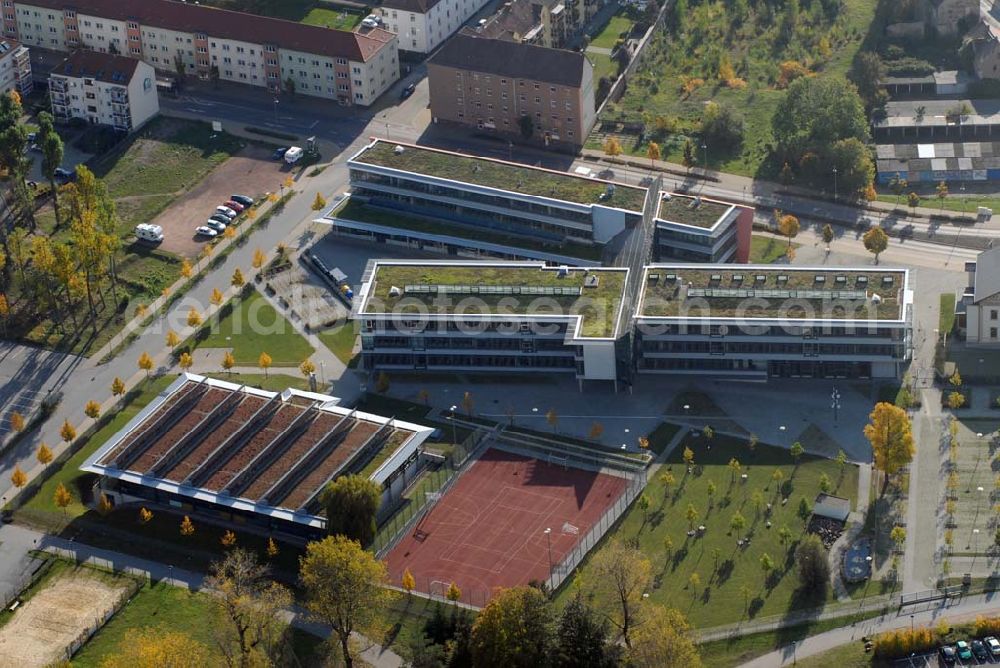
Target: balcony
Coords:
[[60, 100], [57, 85], [119, 96]]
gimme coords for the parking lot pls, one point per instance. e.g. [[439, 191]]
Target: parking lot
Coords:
[[251, 172], [933, 659]]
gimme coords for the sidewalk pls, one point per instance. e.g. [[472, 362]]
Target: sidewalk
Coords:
[[374, 654]]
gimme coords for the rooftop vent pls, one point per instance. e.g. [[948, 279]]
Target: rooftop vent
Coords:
[[695, 203], [591, 281], [563, 271], [395, 291], [399, 149], [876, 299]]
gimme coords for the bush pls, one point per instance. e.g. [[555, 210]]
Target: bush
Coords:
[[896, 644], [986, 626]]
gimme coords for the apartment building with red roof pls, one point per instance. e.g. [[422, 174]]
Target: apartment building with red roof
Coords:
[[349, 67]]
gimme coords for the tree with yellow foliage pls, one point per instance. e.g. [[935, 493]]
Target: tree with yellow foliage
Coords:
[[186, 269], [612, 147], [228, 361], [173, 338], [619, 574], [17, 421], [117, 387], [187, 526], [145, 362], [453, 593], [319, 203], [44, 454], [153, 648], [272, 548], [663, 640], [889, 433], [307, 367], [145, 515], [19, 478], [228, 539], [92, 409], [788, 226], [264, 362], [653, 153], [185, 361], [237, 281], [104, 505], [258, 258], [194, 318], [62, 498], [67, 431], [408, 582], [216, 297], [229, 232]]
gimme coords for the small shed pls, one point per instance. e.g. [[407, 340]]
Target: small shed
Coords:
[[832, 507]]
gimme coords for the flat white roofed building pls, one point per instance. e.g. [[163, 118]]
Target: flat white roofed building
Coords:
[[700, 229], [491, 317], [101, 88], [476, 194], [262, 458], [15, 68], [759, 321]]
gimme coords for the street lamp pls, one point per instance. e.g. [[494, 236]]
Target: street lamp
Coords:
[[275, 110], [704, 148], [835, 183], [548, 539], [835, 402], [454, 436]]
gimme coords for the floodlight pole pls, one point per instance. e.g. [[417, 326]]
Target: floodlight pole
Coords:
[[548, 537]]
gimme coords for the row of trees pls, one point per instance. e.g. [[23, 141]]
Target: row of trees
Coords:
[[13, 154]]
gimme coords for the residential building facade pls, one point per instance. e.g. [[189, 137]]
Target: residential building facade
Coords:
[[105, 89], [352, 68], [514, 90], [15, 68], [491, 317], [539, 22], [978, 311], [757, 322], [423, 25]]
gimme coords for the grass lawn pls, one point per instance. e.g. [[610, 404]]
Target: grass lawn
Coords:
[[275, 382], [755, 43], [253, 326], [720, 597], [767, 249], [612, 30], [603, 65], [954, 202], [40, 510], [345, 19], [340, 341], [946, 316], [167, 609]]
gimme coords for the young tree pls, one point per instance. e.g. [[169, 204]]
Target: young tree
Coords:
[[737, 523], [193, 317], [663, 640], [216, 297], [898, 536], [784, 535], [264, 362], [778, 476], [173, 338], [653, 153], [237, 281], [319, 203], [145, 363], [408, 582], [345, 588], [891, 439], [52, 155], [272, 548], [17, 421], [62, 498], [552, 418], [691, 513], [424, 396], [228, 539], [351, 502], [152, 648], [694, 583], [734, 469], [382, 383], [688, 158], [875, 241], [258, 258], [307, 368], [228, 361], [453, 593], [44, 454], [804, 509], [955, 400], [827, 235], [145, 515], [796, 452], [67, 431], [667, 480], [187, 526], [582, 639], [824, 483], [596, 429], [185, 361], [710, 490], [104, 505], [612, 147], [766, 565], [92, 409], [688, 456], [117, 387], [18, 478], [813, 564], [468, 403], [248, 606], [757, 501], [708, 432], [788, 226], [913, 200], [619, 575], [514, 629], [942, 192]]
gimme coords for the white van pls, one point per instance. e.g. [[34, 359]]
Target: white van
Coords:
[[293, 155], [150, 233]]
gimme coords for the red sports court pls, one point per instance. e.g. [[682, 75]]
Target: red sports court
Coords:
[[488, 530]]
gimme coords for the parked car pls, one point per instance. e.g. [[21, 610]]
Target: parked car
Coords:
[[408, 91], [979, 649], [64, 175], [242, 199], [206, 231], [279, 153], [235, 206], [219, 217], [293, 155], [215, 225], [993, 645], [150, 233], [963, 650], [225, 211], [948, 654]]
